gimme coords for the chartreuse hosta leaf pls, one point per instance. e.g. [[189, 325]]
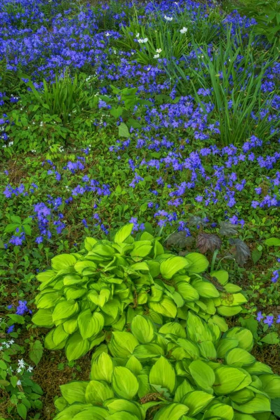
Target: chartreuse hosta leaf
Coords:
[[105, 285], [143, 329], [186, 389], [102, 368], [163, 374]]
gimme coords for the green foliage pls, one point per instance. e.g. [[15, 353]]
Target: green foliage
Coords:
[[267, 16], [235, 94], [16, 378], [106, 284], [178, 371], [64, 97], [52, 116]]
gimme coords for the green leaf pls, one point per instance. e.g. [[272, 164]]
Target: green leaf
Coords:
[[244, 337], [22, 410], [189, 293], [259, 404], [228, 311], [11, 227], [271, 338], [56, 338], [120, 405], [271, 385], [47, 300], [172, 265], [190, 348], [221, 275], [76, 347], [89, 243], [36, 351], [275, 407], [122, 344], [198, 263], [141, 249], [134, 365], [197, 401], [239, 357], [148, 351], [16, 219], [116, 112], [60, 403], [90, 324], [122, 415], [123, 130], [163, 374], [173, 328], [125, 383], [230, 379], [202, 374], [166, 307], [123, 233], [101, 298], [143, 329], [98, 392], [3, 365], [182, 390], [272, 242], [65, 309], [74, 392], [225, 345], [70, 326], [63, 261], [85, 268], [197, 329], [219, 411], [205, 289], [43, 318], [171, 412], [102, 368], [17, 319]]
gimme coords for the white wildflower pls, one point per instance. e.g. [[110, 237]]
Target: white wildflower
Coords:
[[184, 30], [143, 41], [156, 56], [168, 18], [18, 382]]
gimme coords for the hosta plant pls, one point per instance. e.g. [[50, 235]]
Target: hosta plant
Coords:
[[102, 287], [159, 386]]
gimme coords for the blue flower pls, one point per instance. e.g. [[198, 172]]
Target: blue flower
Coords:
[[259, 316], [269, 320]]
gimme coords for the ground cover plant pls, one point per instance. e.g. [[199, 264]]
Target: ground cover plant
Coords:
[[139, 173]]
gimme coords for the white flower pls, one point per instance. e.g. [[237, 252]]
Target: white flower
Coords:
[[18, 382], [107, 34], [159, 50], [29, 369], [184, 30], [21, 363], [143, 41], [11, 341], [137, 36], [168, 18], [156, 56]]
